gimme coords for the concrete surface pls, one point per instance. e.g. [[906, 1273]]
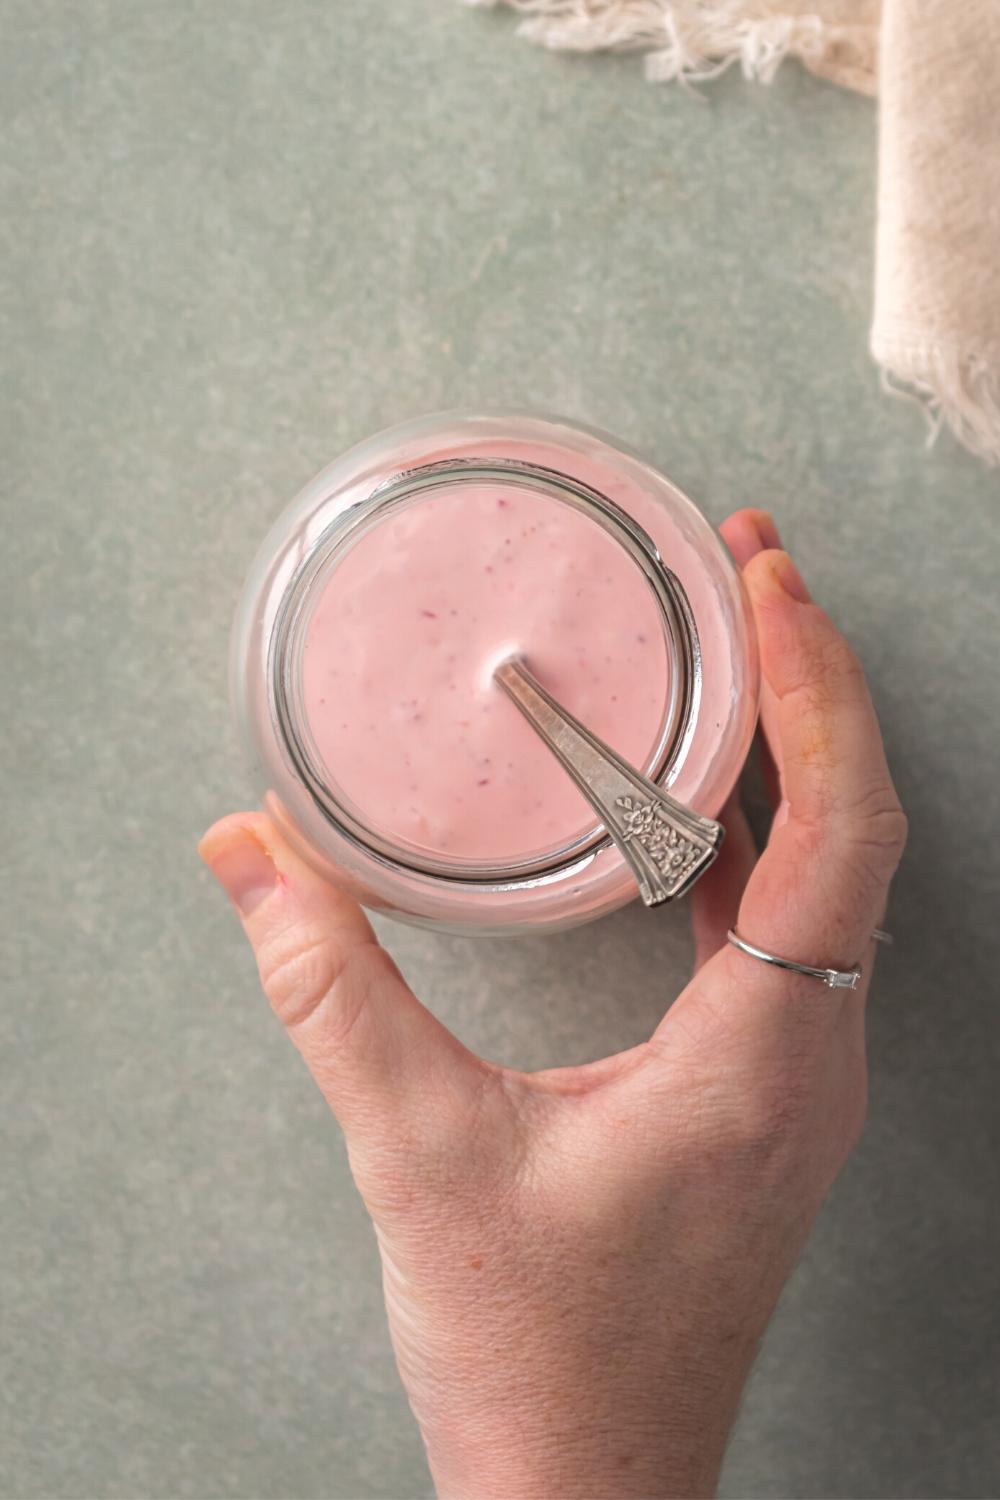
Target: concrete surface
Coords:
[[235, 238]]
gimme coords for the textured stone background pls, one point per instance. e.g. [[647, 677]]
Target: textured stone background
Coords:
[[233, 239]]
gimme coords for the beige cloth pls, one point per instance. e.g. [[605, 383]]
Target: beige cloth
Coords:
[[935, 65]]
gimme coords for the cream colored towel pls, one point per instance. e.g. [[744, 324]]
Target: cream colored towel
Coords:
[[935, 65]]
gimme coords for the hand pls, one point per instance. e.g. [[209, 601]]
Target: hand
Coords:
[[579, 1263]]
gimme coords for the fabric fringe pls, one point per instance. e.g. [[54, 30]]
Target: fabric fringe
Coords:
[[691, 41], [955, 390]]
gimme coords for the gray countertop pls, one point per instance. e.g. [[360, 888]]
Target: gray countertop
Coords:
[[234, 239]]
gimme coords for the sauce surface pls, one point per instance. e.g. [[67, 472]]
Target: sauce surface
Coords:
[[399, 654]]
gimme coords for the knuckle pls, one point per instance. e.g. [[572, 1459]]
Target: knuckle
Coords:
[[448, 1160], [391, 1180], [877, 829], [298, 969]]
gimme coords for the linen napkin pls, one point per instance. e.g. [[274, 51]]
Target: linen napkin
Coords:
[[935, 66]]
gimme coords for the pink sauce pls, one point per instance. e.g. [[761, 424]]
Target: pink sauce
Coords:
[[397, 669]]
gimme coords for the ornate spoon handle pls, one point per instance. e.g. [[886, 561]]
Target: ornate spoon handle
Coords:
[[667, 846]]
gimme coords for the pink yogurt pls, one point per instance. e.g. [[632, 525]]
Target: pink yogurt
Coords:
[[397, 668], [370, 626]]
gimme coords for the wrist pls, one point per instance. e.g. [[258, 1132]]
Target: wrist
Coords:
[[620, 1464], [670, 1446]]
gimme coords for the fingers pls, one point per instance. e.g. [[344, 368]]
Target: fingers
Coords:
[[747, 533], [821, 885], [715, 900], [376, 1053], [783, 1042]]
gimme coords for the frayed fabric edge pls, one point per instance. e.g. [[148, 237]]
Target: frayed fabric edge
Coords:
[[954, 389], [685, 40], [691, 41]]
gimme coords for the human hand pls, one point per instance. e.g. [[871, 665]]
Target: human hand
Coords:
[[579, 1263]]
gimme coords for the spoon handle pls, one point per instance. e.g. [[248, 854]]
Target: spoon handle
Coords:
[[666, 845]]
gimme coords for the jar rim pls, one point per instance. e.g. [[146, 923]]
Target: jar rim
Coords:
[[393, 492]]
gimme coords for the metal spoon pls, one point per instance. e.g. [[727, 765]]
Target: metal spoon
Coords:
[[666, 845]]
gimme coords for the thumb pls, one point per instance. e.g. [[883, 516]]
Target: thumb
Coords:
[[378, 1056]]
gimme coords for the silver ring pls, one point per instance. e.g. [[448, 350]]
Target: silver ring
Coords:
[[834, 979]]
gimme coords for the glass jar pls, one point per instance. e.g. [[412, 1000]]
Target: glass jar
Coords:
[[340, 681]]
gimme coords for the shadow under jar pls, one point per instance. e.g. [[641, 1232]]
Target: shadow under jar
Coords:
[[377, 611]]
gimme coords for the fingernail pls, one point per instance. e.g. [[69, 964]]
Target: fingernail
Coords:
[[789, 578], [246, 872], [766, 529]]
